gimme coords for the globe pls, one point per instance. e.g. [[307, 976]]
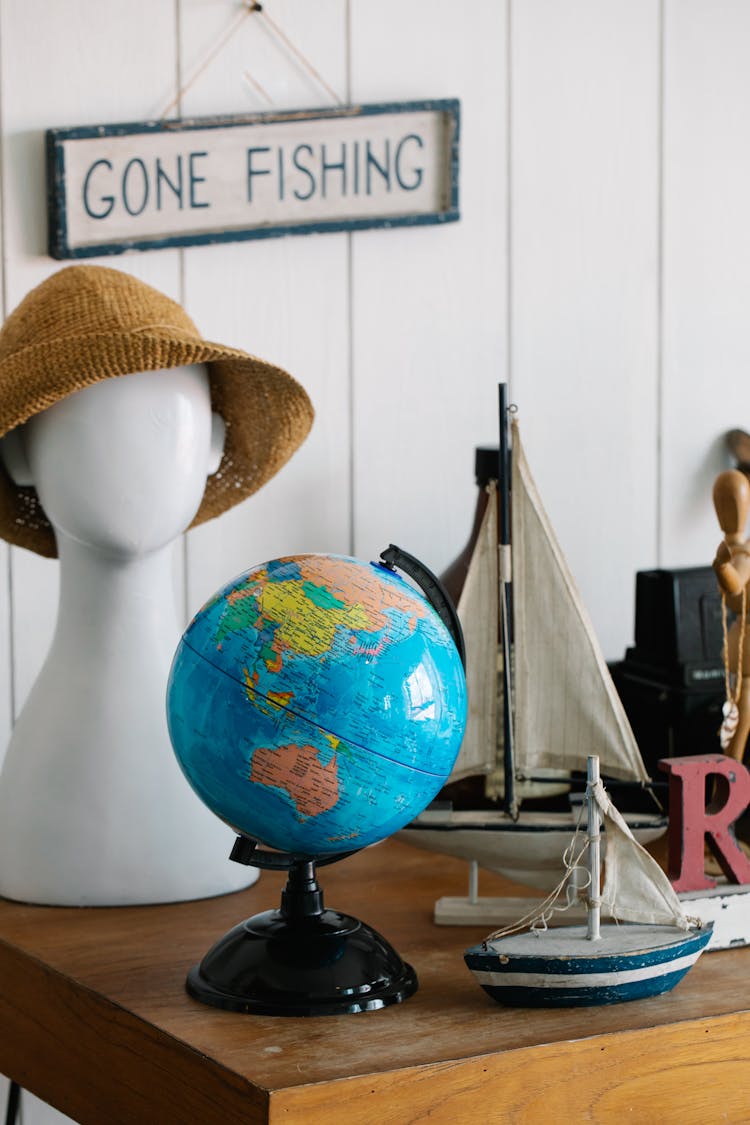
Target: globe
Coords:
[[317, 703]]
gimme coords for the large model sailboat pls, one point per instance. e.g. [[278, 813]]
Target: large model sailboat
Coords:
[[548, 665]]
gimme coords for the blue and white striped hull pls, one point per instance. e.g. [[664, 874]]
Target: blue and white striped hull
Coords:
[[562, 968]]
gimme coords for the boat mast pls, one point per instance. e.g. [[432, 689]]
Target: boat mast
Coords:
[[505, 596], [594, 903]]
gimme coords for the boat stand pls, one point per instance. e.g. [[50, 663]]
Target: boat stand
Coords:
[[485, 910]]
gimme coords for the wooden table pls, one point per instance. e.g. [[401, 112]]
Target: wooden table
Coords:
[[95, 1020]]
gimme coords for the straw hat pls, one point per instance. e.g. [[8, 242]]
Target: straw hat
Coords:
[[88, 323]]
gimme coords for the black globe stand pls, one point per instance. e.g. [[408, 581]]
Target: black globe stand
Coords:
[[302, 959]]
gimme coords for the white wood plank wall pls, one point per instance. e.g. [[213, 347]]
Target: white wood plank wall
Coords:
[[601, 264]]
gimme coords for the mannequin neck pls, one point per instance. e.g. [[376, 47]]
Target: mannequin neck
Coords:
[[122, 606]]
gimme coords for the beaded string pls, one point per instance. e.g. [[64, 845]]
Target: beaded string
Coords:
[[731, 707]]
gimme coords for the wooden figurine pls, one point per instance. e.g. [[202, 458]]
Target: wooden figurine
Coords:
[[732, 568], [738, 444]]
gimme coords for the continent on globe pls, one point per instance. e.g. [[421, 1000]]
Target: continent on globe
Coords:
[[299, 772], [302, 611]]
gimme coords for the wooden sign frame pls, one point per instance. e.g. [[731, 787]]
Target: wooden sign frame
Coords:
[[157, 184]]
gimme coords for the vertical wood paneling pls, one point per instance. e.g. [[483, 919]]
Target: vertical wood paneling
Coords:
[[82, 62], [91, 61], [401, 336], [585, 97], [429, 331], [283, 299], [706, 263], [6, 650]]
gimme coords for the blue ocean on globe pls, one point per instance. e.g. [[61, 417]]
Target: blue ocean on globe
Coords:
[[317, 703]]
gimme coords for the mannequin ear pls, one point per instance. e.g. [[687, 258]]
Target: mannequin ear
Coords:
[[13, 453], [218, 437]]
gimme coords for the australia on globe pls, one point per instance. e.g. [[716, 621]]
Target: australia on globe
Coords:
[[317, 703]]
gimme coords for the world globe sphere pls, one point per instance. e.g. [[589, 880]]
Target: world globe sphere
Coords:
[[317, 703]]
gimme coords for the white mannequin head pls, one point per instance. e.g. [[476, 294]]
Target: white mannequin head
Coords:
[[92, 799], [121, 466]]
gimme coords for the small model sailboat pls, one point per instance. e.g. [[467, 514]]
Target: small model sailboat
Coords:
[[596, 964], [561, 707]]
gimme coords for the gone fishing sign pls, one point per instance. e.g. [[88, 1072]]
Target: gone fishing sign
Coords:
[[148, 185]]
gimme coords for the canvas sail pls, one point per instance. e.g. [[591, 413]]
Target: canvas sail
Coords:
[[565, 704], [478, 613], [635, 887]]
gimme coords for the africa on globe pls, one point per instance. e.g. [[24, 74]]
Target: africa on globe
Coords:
[[317, 703]]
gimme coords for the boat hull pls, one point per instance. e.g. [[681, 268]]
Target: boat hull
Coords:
[[561, 968], [526, 850]]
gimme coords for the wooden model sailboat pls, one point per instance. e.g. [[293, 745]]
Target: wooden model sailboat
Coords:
[[564, 706], [596, 964]]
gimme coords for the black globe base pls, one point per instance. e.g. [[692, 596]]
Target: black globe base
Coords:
[[302, 960]]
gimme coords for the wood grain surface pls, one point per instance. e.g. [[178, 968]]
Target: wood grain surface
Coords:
[[94, 1019]]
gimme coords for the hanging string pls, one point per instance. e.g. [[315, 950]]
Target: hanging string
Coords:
[[251, 7], [308, 66], [733, 695], [257, 87]]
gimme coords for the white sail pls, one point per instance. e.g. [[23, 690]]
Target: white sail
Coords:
[[635, 887], [565, 704], [477, 611]]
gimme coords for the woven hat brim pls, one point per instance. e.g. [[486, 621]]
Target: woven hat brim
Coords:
[[266, 412]]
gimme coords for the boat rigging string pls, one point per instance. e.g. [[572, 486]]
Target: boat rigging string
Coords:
[[537, 919]]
